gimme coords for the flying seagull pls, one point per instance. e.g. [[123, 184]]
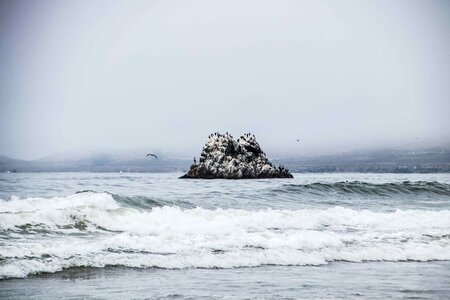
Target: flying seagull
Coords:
[[151, 154], [298, 140]]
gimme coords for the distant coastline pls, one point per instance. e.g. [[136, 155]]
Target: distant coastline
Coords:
[[435, 160]]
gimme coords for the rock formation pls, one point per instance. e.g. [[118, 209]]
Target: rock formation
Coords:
[[224, 157]]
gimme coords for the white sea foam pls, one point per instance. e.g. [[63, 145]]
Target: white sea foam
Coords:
[[91, 229]]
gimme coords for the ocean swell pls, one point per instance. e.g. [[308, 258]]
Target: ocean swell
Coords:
[[369, 189]]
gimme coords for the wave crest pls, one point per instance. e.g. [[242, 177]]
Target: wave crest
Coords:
[[369, 189]]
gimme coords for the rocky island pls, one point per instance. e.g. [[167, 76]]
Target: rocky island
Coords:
[[226, 158]]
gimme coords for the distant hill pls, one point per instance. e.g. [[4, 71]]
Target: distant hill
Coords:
[[434, 160], [11, 164], [94, 163]]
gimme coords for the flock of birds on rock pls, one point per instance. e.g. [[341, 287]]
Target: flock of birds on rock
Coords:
[[218, 135], [247, 135]]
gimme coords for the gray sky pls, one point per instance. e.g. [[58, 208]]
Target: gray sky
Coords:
[[340, 75]]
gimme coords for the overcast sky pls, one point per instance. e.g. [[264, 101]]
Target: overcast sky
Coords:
[[339, 75]]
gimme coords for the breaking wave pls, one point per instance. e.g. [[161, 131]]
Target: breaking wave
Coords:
[[38, 234]]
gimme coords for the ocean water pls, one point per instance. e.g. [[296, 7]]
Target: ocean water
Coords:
[[134, 236]]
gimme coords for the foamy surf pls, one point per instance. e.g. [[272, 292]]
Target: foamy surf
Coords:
[[97, 230]]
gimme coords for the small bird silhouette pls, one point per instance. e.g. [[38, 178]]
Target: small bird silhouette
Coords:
[[151, 154], [298, 140]]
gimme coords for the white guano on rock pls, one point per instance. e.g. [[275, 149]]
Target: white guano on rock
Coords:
[[226, 158]]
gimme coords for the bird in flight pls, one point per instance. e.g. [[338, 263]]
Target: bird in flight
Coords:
[[298, 140], [151, 154]]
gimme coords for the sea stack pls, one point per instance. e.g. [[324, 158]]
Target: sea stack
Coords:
[[226, 158]]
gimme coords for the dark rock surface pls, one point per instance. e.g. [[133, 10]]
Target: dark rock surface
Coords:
[[224, 157]]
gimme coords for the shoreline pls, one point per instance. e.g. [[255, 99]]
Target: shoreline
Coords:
[[375, 279]]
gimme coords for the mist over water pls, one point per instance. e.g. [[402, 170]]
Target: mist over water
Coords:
[[81, 77]]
